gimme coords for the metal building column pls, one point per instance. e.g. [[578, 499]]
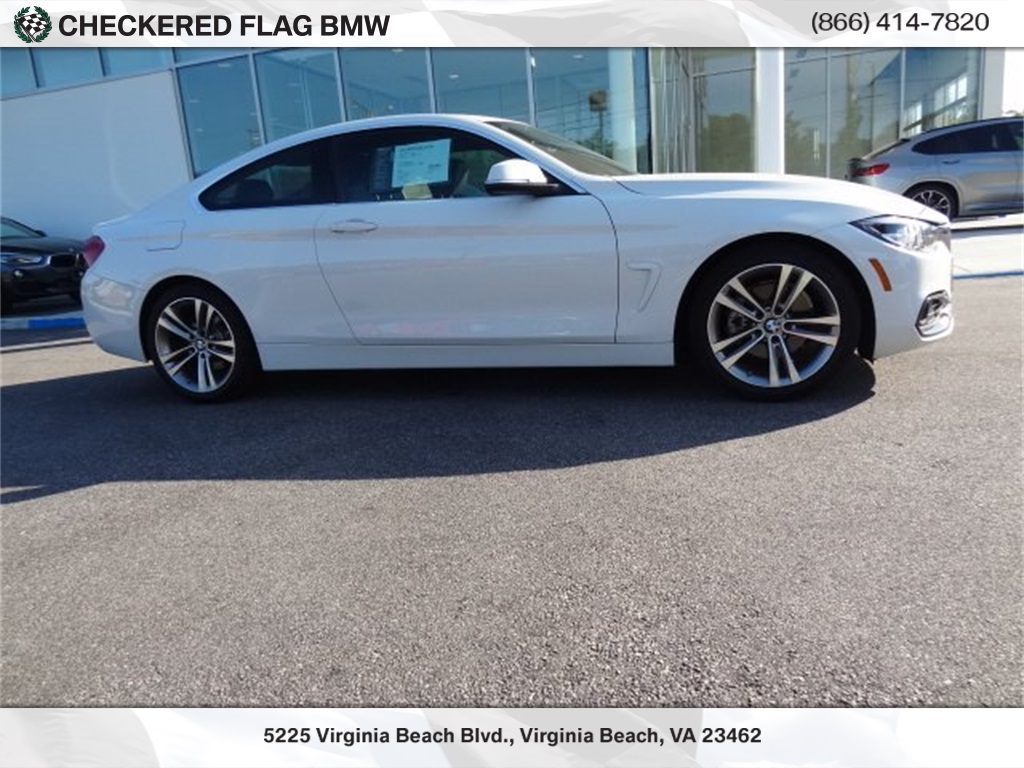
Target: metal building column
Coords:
[[770, 110]]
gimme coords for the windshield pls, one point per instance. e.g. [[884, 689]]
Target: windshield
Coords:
[[11, 228], [569, 152]]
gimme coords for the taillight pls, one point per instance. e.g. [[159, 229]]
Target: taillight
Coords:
[[871, 170], [93, 248]]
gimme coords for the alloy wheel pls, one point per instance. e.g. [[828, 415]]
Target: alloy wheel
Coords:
[[194, 345], [936, 199], [773, 325]]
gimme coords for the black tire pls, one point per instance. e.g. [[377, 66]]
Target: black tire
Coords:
[[6, 301], [767, 341], [938, 197], [200, 344]]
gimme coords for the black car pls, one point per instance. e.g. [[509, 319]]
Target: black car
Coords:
[[35, 265]]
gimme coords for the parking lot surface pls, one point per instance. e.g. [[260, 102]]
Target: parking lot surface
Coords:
[[517, 538]]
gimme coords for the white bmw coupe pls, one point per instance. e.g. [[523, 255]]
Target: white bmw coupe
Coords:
[[434, 241]]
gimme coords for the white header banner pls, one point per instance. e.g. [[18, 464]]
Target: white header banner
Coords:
[[503, 738], [496, 23]]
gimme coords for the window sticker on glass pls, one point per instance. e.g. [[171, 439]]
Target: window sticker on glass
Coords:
[[425, 162]]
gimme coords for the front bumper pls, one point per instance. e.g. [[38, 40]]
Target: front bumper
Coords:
[[910, 291], [29, 282]]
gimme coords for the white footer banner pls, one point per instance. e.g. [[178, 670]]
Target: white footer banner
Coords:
[[496, 738]]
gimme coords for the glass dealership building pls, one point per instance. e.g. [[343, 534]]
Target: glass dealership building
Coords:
[[89, 134]]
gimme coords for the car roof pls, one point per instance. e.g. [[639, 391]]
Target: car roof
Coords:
[[961, 126], [387, 121]]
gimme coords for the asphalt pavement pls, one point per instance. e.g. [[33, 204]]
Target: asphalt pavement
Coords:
[[517, 538]]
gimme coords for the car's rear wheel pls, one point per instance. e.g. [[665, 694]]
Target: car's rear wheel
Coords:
[[773, 321], [200, 344], [937, 197]]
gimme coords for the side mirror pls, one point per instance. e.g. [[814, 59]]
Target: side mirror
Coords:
[[519, 177]]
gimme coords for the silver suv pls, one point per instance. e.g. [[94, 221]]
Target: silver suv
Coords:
[[971, 169]]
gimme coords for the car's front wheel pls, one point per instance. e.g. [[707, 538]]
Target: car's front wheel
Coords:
[[200, 344], [773, 321]]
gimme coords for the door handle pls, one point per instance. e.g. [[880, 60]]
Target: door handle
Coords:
[[950, 162], [352, 225]]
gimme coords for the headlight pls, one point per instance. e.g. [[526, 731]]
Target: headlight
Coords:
[[21, 259], [909, 234]]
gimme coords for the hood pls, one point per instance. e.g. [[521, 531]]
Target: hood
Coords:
[[41, 245], [755, 186]]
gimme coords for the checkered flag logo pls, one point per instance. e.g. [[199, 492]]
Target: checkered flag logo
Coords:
[[32, 27], [33, 24]]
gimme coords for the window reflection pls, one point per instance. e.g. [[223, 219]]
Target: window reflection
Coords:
[[67, 66], [15, 72], [806, 118], [381, 81], [129, 61], [671, 90], [220, 111], [187, 55], [709, 61], [865, 102], [485, 81], [941, 88], [839, 102], [862, 89], [298, 90], [594, 96], [724, 106]]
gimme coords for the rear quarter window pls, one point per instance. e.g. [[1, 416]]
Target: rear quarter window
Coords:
[[947, 144], [299, 175]]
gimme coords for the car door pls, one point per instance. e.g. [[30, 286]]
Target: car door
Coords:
[[256, 232], [1017, 150], [419, 253], [987, 167]]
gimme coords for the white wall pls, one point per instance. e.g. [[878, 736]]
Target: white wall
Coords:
[[1003, 89], [1013, 81], [77, 156]]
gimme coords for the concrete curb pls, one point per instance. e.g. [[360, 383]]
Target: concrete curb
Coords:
[[1006, 273], [1011, 222], [70, 320]]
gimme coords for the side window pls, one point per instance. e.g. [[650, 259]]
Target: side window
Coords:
[[414, 164], [470, 166], [947, 144], [985, 138], [1017, 136], [301, 175]]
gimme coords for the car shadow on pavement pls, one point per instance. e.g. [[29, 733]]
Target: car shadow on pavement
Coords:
[[63, 434]]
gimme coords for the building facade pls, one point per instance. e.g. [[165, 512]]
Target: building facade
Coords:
[[92, 133]]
